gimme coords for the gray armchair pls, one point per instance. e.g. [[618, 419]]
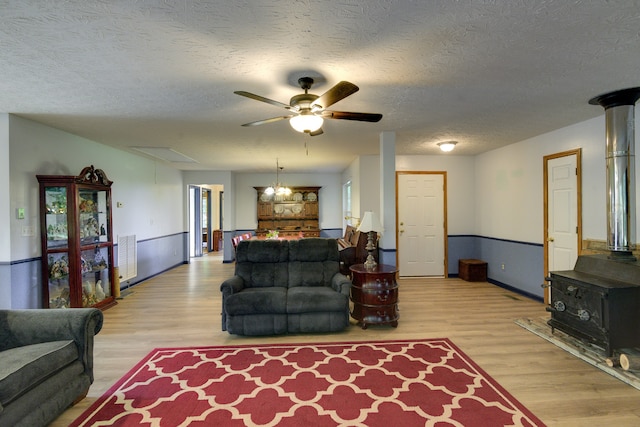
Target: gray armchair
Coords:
[[46, 362]]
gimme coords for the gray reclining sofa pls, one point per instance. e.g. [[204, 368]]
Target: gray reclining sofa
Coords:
[[286, 286]]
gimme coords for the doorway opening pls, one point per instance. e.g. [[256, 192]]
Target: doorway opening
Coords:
[[205, 220]]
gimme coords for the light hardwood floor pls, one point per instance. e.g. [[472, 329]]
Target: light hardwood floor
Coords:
[[182, 308]]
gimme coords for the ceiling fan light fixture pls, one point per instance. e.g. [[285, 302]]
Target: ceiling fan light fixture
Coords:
[[306, 122], [447, 146]]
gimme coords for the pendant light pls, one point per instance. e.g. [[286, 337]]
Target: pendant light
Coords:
[[277, 188]]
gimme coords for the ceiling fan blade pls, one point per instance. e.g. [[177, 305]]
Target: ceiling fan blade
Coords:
[[317, 132], [346, 115], [262, 98], [335, 94], [271, 120]]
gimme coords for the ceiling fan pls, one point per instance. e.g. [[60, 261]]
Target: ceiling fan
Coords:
[[308, 111]]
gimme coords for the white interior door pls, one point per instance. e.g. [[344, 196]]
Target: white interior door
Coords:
[[421, 224], [562, 213]]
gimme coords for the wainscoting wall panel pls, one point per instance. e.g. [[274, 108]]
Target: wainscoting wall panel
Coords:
[[155, 256], [158, 255], [515, 265], [24, 278]]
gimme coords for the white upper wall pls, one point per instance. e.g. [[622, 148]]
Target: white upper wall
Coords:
[[150, 192], [496, 194], [352, 174], [364, 174], [5, 197], [509, 183], [329, 197], [460, 192]]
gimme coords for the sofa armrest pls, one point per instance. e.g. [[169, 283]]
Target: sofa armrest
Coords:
[[25, 327], [229, 287], [341, 283], [232, 286]]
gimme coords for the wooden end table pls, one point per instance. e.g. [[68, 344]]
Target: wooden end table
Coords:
[[374, 294]]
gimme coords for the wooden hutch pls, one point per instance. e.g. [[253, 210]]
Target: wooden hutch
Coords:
[[295, 214]]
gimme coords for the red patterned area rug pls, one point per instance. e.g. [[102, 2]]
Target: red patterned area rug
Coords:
[[393, 383]]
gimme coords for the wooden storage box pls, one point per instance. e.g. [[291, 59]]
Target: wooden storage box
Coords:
[[472, 270]]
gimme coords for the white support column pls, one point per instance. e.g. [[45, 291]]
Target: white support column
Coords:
[[388, 197]]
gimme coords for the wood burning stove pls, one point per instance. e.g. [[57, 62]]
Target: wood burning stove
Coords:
[[599, 300]]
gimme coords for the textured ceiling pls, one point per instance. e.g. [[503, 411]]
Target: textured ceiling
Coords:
[[162, 73]]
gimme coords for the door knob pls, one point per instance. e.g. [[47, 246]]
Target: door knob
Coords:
[[550, 239]]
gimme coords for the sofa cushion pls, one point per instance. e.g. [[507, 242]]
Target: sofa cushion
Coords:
[[314, 249], [257, 301], [313, 262], [262, 263], [313, 300], [22, 368], [261, 275], [262, 251], [312, 273]]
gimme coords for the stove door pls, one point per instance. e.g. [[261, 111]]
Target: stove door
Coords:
[[578, 308]]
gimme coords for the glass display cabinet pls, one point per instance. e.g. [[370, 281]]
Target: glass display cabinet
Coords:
[[77, 243]]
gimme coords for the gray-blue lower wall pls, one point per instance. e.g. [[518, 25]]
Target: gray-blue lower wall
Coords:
[[154, 257], [158, 255], [523, 262]]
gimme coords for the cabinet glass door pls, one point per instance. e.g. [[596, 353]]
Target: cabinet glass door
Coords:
[[93, 216], [95, 275], [59, 291], [56, 217]]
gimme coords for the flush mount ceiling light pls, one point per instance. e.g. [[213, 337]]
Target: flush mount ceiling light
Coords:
[[447, 146]]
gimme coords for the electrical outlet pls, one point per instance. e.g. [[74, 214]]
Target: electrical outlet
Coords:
[[502, 266], [27, 231]]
